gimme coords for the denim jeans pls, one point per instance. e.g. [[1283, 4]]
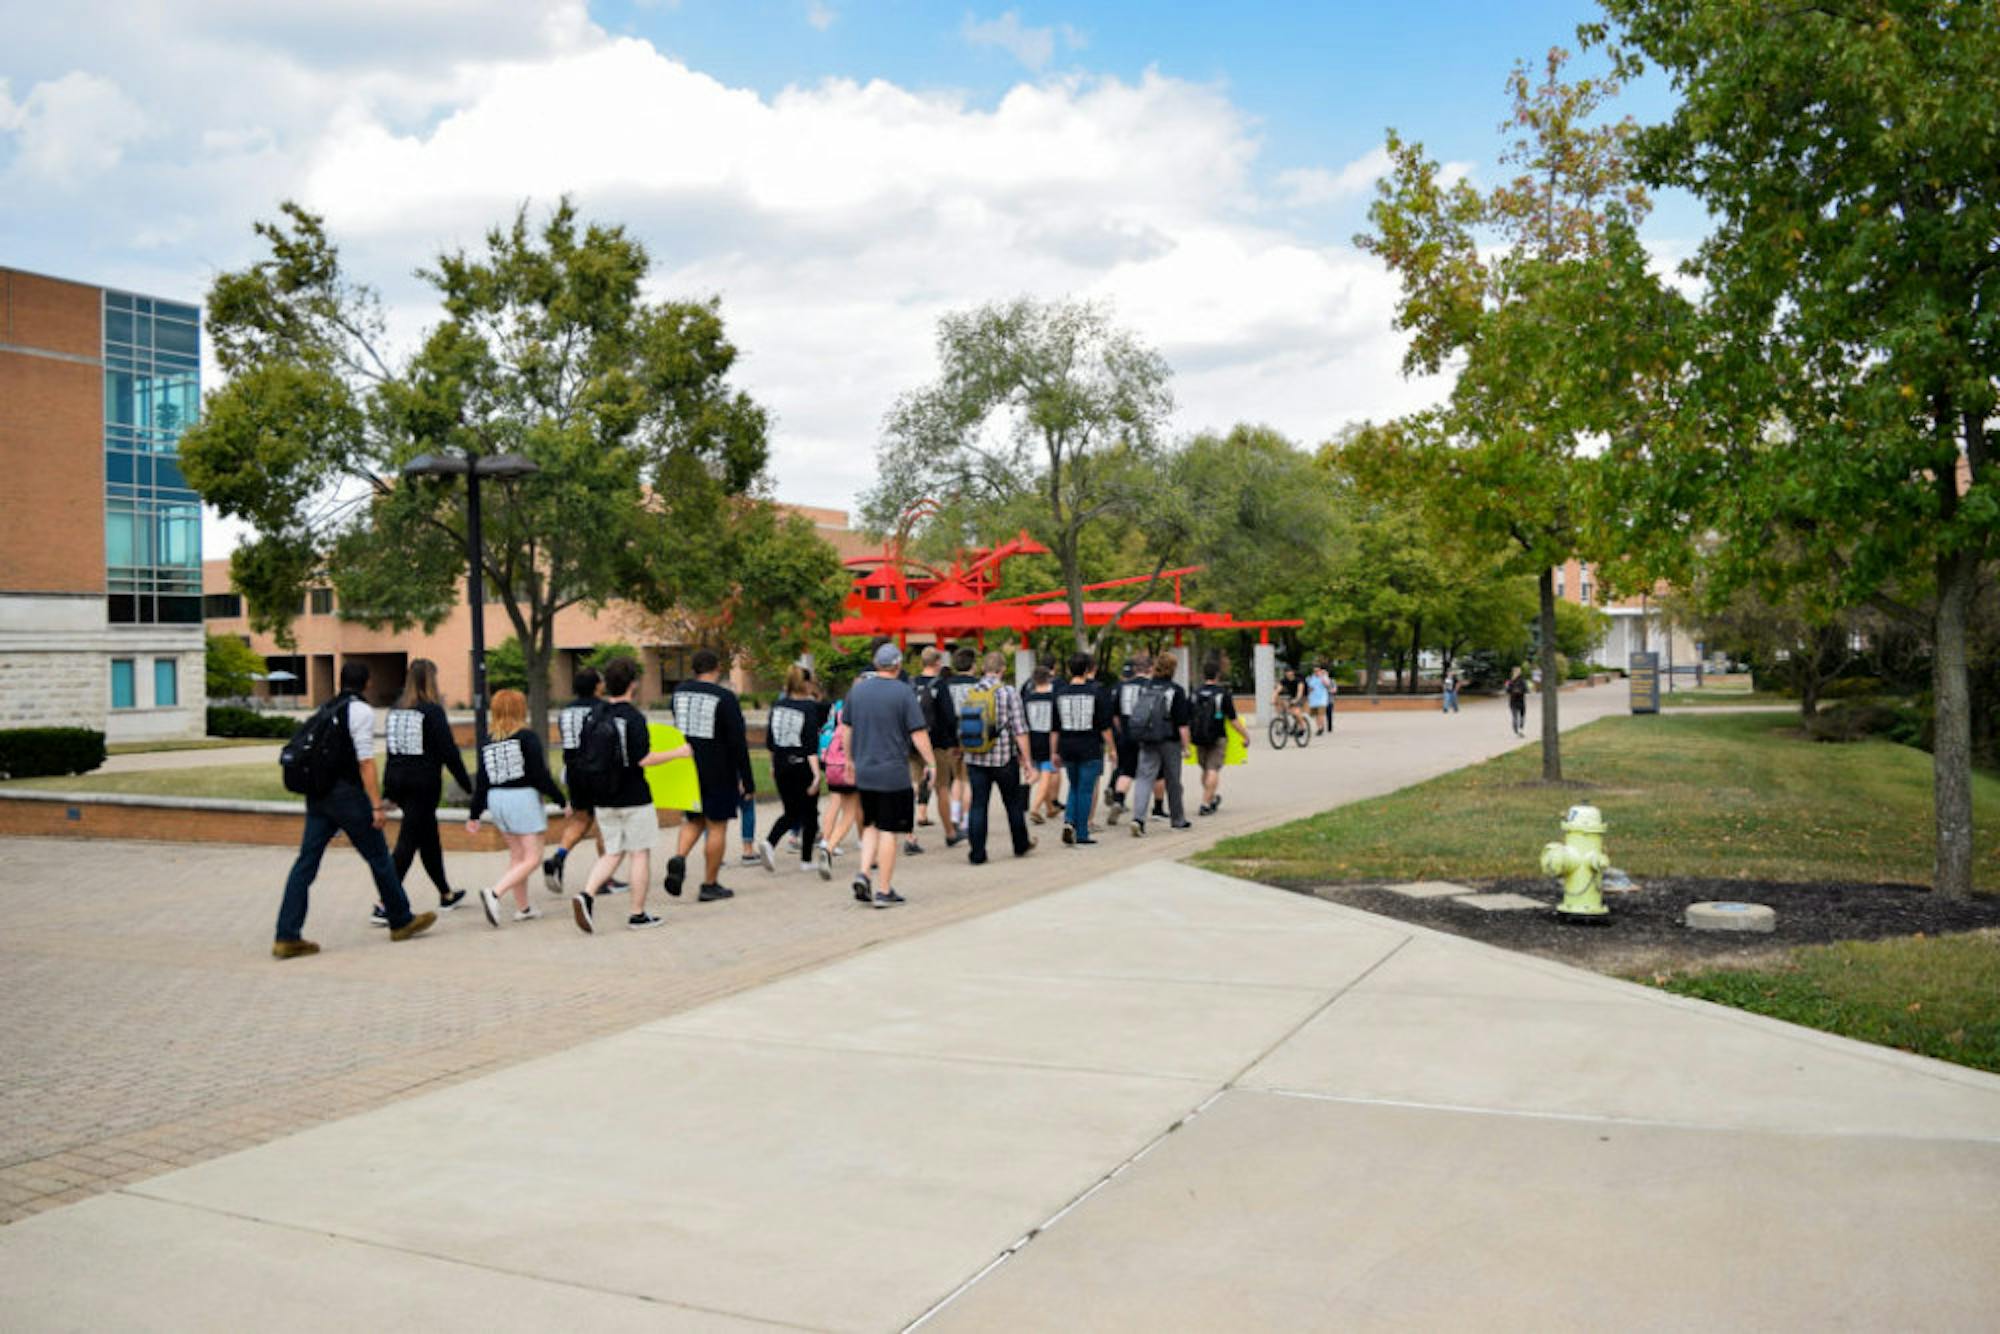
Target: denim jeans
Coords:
[[345, 810], [1082, 791], [1013, 800]]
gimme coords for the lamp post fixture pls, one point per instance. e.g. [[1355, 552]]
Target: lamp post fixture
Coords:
[[502, 467]]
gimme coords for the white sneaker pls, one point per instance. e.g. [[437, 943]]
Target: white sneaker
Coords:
[[528, 914], [825, 862], [765, 856], [491, 903], [807, 866]]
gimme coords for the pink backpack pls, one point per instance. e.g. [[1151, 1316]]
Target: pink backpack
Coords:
[[834, 758]]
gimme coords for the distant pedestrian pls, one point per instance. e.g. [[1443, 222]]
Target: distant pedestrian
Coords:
[[881, 724], [993, 736], [1517, 701], [836, 767], [582, 818], [931, 662], [792, 736], [954, 785], [620, 749], [1450, 704], [421, 747], [513, 779], [1318, 700], [1038, 702], [1131, 680], [1083, 735], [711, 719], [1158, 723], [1211, 718], [347, 800]]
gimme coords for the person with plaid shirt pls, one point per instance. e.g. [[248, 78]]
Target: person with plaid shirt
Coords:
[[1006, 765]]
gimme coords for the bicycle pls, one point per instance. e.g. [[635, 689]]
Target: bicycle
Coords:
[[1292, 727]]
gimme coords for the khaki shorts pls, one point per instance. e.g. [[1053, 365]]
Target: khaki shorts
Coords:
[[950, 767], [628, 828], [1213, 754], [916, 772]]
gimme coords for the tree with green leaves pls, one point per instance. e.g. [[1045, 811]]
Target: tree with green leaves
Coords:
[[1539, 294], [547, 348], [1846, 152], [232, 667], [1043, 408]]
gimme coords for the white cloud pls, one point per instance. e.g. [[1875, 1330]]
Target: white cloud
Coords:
[[1033, 47], [1309, 187], [820, 14], [837, 221], [68, 130]]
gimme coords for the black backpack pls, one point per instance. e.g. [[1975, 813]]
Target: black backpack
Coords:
[[1152, 714], [599, 756], [1206, 724], [321, 752]]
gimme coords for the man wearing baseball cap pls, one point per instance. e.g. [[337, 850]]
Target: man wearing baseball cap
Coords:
[[882, 723]]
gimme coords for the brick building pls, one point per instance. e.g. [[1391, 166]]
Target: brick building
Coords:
[[1636, 624], [100, 536], [324, 641]]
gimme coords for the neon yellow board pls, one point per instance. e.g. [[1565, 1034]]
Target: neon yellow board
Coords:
[[675, 785], [1236, 754]]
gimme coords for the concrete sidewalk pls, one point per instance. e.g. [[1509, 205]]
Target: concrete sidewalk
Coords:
[[1159, 1100]]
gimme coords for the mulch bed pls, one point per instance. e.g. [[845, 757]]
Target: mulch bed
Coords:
[[1646, 927]]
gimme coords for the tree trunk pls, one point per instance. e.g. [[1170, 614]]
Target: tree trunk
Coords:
[[1416, 639], [1072, 569], [1552, 765], [1951, 747], [537, 648]]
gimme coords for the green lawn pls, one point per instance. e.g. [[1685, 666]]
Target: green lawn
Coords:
[[1713, 794], [205, 743], [246, 782], [1938, 996], [1723, 697]]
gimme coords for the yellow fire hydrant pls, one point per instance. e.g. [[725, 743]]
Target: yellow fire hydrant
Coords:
[[1579, 859]]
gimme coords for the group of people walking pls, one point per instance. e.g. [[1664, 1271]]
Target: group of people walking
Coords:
[[879, 755]]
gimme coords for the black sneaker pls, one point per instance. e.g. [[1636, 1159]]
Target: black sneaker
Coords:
[[911, 847], [583, 909], [677, 870], [643, 921], [1114, 811], [1069, 835], [1138, 829], [1185, 824], [446, 901], [1204, 809], [710, 893], [552, 873], [378, 917], [863, 890], [953, 840], [1215, 805], [887, 899]]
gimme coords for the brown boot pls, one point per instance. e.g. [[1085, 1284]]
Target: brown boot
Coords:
[[416, 926], [292, 949]]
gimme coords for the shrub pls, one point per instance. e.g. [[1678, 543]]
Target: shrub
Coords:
[[230, 720], [1852, 687], [1852, 722], [38, 752]]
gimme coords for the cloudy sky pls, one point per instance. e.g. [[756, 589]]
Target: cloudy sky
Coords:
[[839, 172]]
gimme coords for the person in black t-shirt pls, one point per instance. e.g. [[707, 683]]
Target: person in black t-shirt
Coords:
[[1214, 702], [954, 785], [513, 778], [1160, 759], [711, 719], [569, 728], [1038, 701], [421, 747], [1124, 695], [1082, 734], [626, 819], [792, 736]]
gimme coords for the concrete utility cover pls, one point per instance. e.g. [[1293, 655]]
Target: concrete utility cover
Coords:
[[1429, 889], [1499, 902], [1750, 917]]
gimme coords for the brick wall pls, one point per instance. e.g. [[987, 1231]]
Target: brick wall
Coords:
[[51, 437]]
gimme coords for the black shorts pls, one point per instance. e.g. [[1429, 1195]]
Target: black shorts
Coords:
[[891, 812], [1128, 759]]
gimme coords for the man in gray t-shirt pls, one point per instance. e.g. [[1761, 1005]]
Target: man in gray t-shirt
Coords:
[[880, 725]]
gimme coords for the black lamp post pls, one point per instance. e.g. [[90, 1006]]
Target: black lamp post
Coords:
[[503, 467]]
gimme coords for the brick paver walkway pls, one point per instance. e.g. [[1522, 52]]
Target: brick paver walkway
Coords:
[[149, 1028]]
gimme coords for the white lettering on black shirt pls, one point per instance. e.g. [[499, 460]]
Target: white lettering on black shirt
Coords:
[[694, 714], [788, 728], [1128, 697], [503, 762], [1041, 715], [406, 732], [1079, 711], [569, 725]]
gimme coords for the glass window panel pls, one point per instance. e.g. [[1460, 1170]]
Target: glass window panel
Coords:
[[142, 329], [181, 609], [143, 304], [124, 684], [119, 404], [117, 301], [119, 609], [166, 683], [122, 544], [118, 326], [322, 601], [222, 606], [117, 467], [169, 310], [167, 473], [173, 336], [180, 535]]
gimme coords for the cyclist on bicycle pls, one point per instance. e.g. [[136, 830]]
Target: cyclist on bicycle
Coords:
[[1292, 699]]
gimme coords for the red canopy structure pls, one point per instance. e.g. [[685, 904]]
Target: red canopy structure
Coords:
[[899, 596]]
